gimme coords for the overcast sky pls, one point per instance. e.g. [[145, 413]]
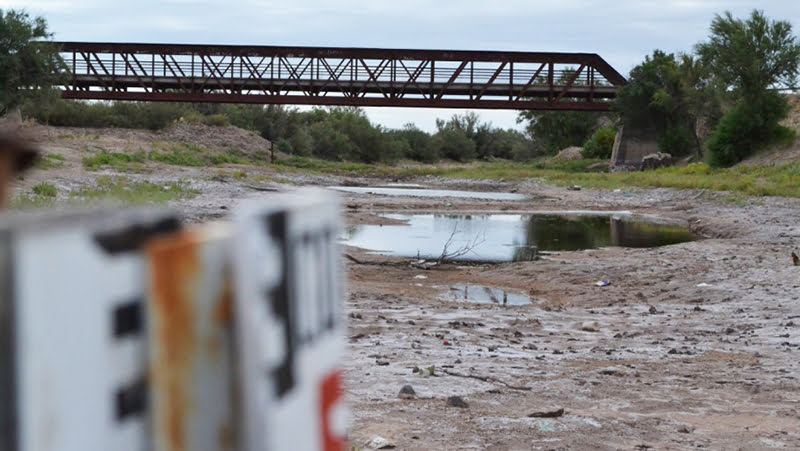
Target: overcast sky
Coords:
[[621, 31]]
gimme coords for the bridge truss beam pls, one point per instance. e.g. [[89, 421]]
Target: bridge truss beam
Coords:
[[339, 76]]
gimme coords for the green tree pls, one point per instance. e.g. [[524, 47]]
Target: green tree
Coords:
[[418, 144], [29, 63], [749, 58], [669, 95], [556, 130], [455, 138]]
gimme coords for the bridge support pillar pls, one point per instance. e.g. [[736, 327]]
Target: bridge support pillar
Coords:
[[631, 145]]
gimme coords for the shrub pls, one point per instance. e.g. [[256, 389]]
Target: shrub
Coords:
[[46, 190], [746, 128], [601, 144]]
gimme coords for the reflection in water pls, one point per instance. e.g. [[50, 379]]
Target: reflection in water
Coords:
[[507, 237], [485, 295], [438, 193]]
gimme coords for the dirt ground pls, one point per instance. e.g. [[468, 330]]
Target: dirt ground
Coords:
[[695, 345]]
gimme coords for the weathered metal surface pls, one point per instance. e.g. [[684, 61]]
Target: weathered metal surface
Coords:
[[73, 283], [290, 325], [190, 340], [339, 76]]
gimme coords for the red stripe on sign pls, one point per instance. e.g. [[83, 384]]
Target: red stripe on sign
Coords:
[[331, 394]]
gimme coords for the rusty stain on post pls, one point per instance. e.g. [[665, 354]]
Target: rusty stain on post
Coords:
[[173, 271]]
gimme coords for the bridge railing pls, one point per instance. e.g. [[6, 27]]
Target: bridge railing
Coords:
[[362, 77]]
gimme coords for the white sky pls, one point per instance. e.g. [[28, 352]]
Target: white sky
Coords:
[[621, 31]]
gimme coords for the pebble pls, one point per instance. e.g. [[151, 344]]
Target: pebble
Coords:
[[457, 401], [407, 392]]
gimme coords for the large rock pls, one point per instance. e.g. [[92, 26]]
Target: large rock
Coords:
[[570, 153], [657, 160]]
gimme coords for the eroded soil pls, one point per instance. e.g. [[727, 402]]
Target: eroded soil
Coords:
[[694, 345]]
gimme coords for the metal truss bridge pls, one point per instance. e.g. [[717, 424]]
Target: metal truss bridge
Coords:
[[339, 76]]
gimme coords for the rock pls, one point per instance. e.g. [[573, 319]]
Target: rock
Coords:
[[590, 326], [657, 160], [382, 362], [597, 167], [457, 401], [407, 392], [547, 414], [570, 154], [379, 443]]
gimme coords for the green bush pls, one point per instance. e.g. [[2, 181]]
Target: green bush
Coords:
[[676, 140], [746, 128], [601, 144], [45, 189]]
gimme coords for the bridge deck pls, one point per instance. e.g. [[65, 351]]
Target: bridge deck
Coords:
[[339, 76]]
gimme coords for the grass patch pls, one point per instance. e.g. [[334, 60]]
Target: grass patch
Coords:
[[50, 161], [32, 201], [744, 180], [45, 189], [183, 154], [128, 192], [121, 162]]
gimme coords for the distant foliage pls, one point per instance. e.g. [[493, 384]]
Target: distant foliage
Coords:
[[556, 130], [601, 144], [337, 134], [748, 58], [29, 63], [727, 86]]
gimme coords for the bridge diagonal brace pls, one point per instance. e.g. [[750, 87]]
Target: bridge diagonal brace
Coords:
[[530, 83], [452, 79], [178, 78], [569, 84], [127, 57], [90, 66], [253, 68], [372, 76], [491, 80], [412, 78], [293, 75], [335, 74]]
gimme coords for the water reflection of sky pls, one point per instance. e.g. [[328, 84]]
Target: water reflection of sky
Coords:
[[438, 193], [506, 237]]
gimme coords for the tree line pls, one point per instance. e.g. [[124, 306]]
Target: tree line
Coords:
[[720, 103]]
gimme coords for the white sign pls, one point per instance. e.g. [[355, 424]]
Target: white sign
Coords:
[[290, 322], [72, 344]]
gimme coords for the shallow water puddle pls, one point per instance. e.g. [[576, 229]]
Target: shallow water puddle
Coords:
[[410, 191], [484, 295], [507, 237]]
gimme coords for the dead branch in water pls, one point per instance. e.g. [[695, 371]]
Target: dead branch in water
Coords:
[[448, 255]]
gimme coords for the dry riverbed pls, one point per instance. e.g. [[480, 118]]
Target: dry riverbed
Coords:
[[693, 345]]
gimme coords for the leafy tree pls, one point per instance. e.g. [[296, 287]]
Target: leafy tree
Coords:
[[748, 58], [556, 130], [668, 94], [29, 64], [753, 55], [455, 138], [418, 144]]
